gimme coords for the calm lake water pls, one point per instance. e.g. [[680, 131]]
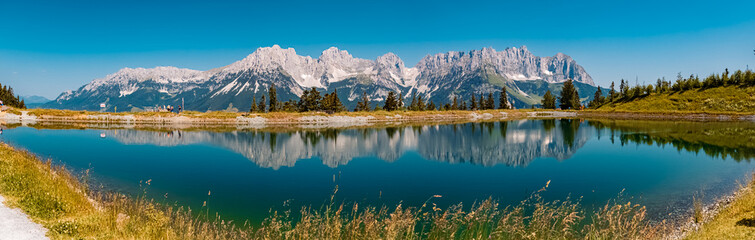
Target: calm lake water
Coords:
[[660, 164]]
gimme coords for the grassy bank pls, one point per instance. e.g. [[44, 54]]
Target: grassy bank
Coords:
[[61, 203], [269, 116], [718, 100], [735, 221]]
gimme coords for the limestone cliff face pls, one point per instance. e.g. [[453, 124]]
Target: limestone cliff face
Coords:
[[436, 77]]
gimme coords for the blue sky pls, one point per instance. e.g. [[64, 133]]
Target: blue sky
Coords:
[[49, 47]]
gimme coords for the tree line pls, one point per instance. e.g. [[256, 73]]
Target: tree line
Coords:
[[626, 93], [569, 98], [9, 98], [313, 100]]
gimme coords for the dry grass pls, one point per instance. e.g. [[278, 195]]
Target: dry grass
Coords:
[[60, 202], [736, 221]]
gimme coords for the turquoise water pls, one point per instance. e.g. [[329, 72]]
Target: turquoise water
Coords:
[[250, 172]]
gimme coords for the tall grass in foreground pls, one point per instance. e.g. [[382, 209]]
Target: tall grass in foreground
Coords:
[[62, 204]]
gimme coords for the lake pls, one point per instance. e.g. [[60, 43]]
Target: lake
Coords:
[[659, 164]]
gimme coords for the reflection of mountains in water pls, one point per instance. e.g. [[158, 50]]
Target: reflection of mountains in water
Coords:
[[510, 143]]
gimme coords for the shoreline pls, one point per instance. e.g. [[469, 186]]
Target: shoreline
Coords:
[[315, 120]]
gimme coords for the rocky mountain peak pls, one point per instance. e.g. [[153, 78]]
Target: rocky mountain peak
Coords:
[[436, 76], [390, 59], [333, 54]]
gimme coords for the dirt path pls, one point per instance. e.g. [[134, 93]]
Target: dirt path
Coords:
[[15, 225]]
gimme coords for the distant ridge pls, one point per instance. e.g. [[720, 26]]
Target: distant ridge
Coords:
[[438, 77]]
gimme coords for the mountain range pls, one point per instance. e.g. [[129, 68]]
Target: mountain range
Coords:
[[438, 77], [34, 101]]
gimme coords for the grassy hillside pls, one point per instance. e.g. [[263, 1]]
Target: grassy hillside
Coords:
[[729, 99]]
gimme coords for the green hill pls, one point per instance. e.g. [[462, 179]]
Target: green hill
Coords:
[[729, 99]]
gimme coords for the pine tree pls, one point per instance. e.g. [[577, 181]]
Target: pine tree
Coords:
[[473, 103], [549, 101], [254, 105], [273, 99], [9, 98], [597, 100], [310, 100], [569, 96], [612, 92], [413, 104], [390, 102], [399, 101], [576, 103], [490, 103], [431, 106], [363, 105], [463, 105], [455, 105], [261, 105], [622, 88], [331, 102], [481, 104], [420, 104], [503, 101]]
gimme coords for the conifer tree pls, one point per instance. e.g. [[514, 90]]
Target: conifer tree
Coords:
[[273, 98], [310, 100], [455, 105], [364, 104], [549, 101], [622, 89], [413, 104], [431, 106], [490, 103], [9, 98], [612, 92], [420, 104], [481, 105], [569, 96], [473, 103], [254, 105], [399, 101], [597, 100], [331, 102], [390, 102], [261, 105], [503, 101]]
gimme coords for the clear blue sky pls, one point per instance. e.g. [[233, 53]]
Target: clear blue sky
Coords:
[[49, 47]]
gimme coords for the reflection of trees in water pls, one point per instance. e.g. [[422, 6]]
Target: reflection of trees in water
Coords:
[[569, 129], [314, 137], [549, 124], [716, 140], [711, 150], [503, 126], [510, 143]]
